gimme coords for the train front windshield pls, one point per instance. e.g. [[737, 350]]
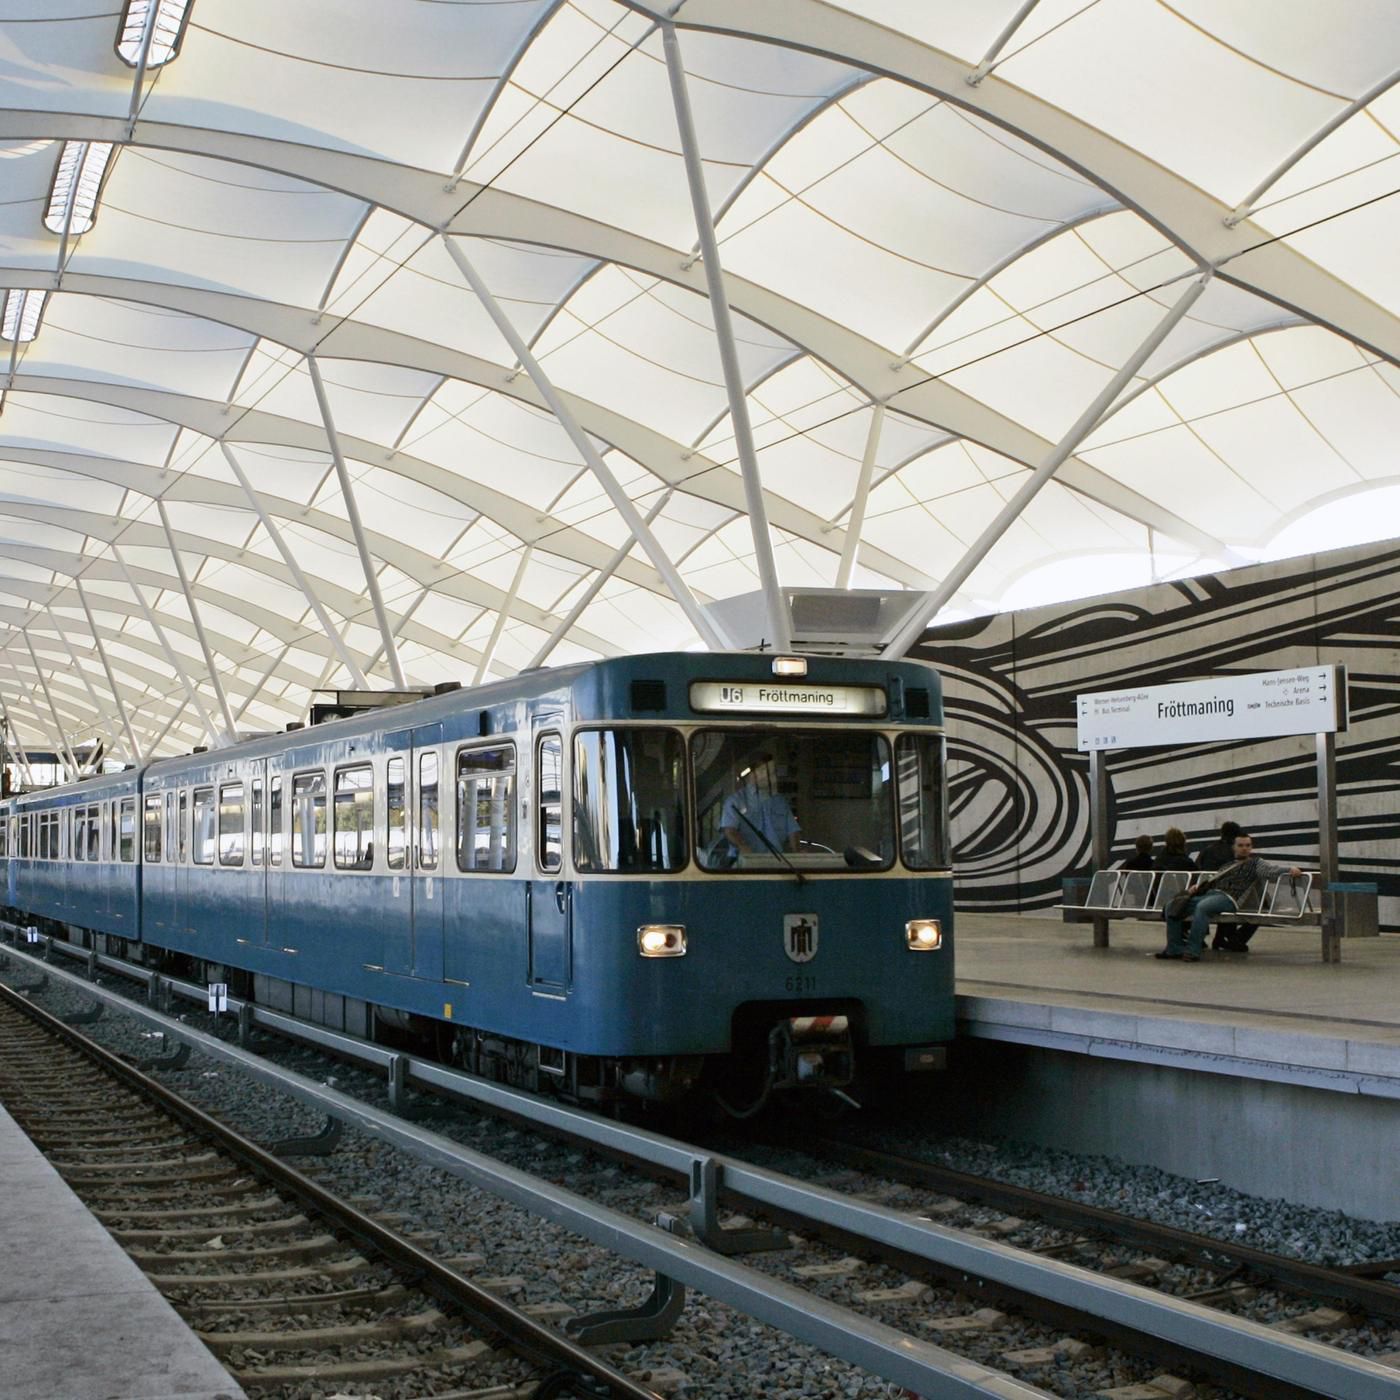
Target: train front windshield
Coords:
[[808, 799]]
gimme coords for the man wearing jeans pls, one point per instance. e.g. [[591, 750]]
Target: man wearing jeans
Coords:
[[1222, 893]]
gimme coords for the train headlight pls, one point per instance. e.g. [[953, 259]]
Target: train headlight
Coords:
[[789, 665], [923, 935], [661, 940]]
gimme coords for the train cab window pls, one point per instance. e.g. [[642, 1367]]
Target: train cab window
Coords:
[[922, 820], [629, 800], [549, 802], [231, 814], [255, 820], [202, 837], [126, 829], [427, 811], [183, 827], [274, 821], [486, 808], [397, 810], [354, 817], [150, 846], [309, 820], [792, 799]]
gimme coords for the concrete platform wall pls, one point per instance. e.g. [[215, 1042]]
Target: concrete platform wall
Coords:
[[1307, 1146]]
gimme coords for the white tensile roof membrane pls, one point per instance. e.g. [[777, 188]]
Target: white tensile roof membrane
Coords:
[[971, 213]]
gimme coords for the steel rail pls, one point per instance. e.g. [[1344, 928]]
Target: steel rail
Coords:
[[1255, 1358], [484, 1310], [1354, 1285], [883, 1350]]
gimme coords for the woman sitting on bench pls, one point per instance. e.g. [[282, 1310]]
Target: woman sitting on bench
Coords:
[[1220, 894]]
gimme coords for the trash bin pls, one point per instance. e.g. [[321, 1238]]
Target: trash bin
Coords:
[[1075, 890], [1356, 907]]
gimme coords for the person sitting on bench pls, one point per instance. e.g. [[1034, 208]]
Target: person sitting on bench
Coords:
[[1219, 894], [1231, 937], [1142, 857]]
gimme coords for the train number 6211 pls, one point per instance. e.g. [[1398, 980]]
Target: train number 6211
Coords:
[[800, 984]]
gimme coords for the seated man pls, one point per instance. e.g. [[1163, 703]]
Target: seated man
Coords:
[[1221, 893]]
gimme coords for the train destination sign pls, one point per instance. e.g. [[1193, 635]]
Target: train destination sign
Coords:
[[779, 697], [1266, 705]]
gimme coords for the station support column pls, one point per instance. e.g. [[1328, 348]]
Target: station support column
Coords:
[[1327, 845], [1098, 829]]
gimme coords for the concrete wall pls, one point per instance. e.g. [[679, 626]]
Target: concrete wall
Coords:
[[1018, 788], [1307, 1146]]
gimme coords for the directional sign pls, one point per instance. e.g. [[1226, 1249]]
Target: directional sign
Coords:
[[1264, 705]]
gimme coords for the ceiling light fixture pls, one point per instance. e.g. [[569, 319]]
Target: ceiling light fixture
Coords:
[[77, 182], [169, 20], [23, 310]]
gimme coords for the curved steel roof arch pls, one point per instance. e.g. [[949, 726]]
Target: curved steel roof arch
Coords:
[[876, 369]]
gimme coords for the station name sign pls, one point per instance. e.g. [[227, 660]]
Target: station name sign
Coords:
[[1265, 705], [775, 697]]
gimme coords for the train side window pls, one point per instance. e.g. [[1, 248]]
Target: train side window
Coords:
[[150, 852], [549, 789], [94, 833], [231, 814], [172, 844], [109, 840], [183, 826], [354, 817], [255, 814], [127, 829], [922, 820], [79, 833], [427, 811], [202, 838], [309, 820], [274, 820], [486, 808], [397, 813]]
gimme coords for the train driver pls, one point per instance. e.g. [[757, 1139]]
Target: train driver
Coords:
[[756, 817]]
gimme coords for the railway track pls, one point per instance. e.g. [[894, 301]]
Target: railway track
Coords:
[[296, 1291], [874, 1259], [1239, 1270]]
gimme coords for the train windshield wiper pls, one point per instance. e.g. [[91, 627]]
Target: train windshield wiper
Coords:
[[758, 831]]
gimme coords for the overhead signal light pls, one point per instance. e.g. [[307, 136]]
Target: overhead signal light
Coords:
[[169, 19], [77, 182], [23, 310]]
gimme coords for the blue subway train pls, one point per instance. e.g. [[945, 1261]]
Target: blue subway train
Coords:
[[619, 879]]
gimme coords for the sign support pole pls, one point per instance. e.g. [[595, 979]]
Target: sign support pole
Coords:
[[1327, 844], [1098, 828]]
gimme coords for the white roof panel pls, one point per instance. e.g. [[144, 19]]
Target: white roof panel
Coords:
[[983, 257]]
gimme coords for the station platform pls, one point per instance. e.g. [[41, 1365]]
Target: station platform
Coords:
[[1272, 1072], [1278, 1013], [78, 1319]]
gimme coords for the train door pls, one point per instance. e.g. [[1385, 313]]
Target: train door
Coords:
[[549, 896], [275, 852], [180, 884], [413, 930], [256, 932], [429, 883]]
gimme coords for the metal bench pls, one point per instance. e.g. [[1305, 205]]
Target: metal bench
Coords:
[[1145, 894]]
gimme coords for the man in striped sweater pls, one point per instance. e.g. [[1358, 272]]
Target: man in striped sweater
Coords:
[[1221, 893]]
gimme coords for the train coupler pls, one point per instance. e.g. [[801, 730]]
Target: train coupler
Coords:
[[811, 1052]]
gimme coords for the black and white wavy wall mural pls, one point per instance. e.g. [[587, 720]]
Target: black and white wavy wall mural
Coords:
[[1018, 789]]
